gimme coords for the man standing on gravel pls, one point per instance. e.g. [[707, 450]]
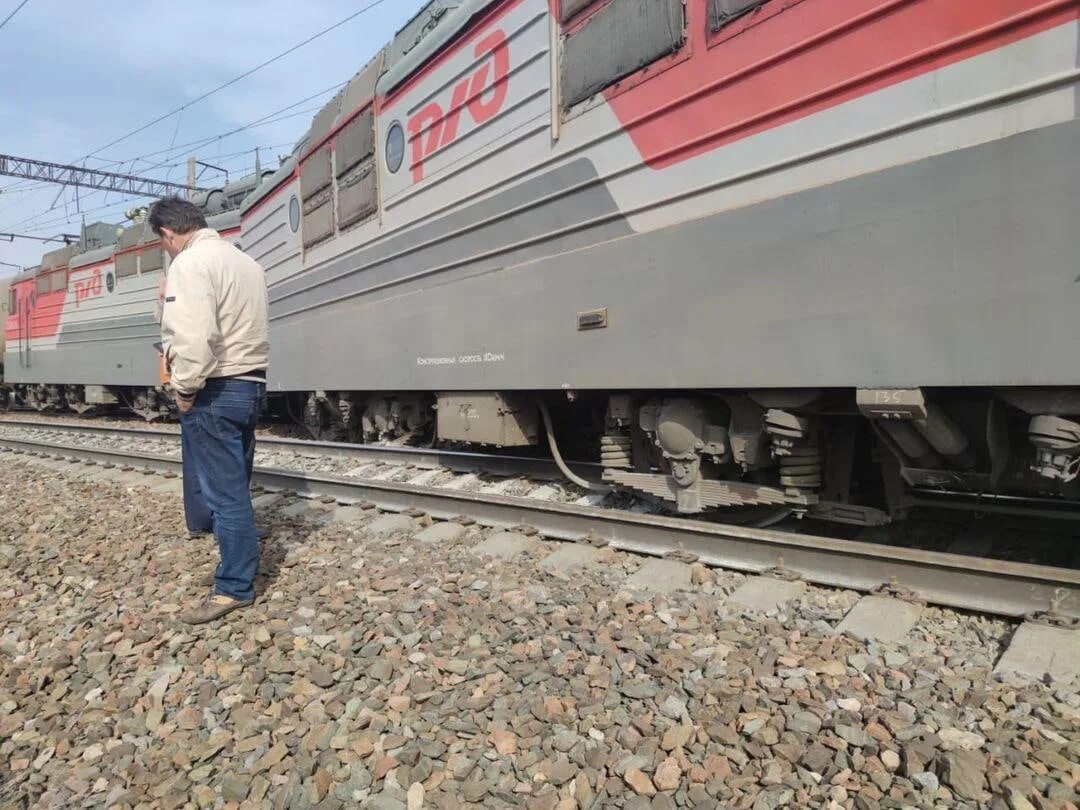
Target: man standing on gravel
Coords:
[[215, 336]]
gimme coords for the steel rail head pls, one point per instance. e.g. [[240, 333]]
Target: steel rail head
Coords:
[[951, 580]]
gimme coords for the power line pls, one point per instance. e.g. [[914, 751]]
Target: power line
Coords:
[[265, 120], [66, 238], [242, 76], [165, 164], [205, 141], [251, 71], [18, 8]]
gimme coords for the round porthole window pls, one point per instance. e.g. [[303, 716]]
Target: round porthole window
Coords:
[[110, 282], [395, 147], [294, 214]]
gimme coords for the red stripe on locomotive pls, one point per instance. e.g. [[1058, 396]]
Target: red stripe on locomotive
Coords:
[[821, 53]]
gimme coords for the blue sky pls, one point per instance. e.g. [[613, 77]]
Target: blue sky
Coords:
[[77, 75]]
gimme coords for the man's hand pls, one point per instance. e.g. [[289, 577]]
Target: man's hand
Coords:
[[184, 404]]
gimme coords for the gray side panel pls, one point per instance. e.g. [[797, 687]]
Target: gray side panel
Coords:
[[131, 362], [424, 36], [225, 221], [315, 174], [283, 172], [955, 270], [493, 229], [355, 143], [319, 218], [59, 258], [622, 38], [106, 330], [357, 196], [362, 87], [92, 256], [131, 236], [324, 119]]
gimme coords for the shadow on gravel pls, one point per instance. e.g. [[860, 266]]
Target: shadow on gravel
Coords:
[[272, 552]]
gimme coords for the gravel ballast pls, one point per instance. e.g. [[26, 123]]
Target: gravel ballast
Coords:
[[378, 670]]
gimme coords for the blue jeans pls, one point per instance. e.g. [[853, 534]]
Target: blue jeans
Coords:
[[196, 512], [219, 447]]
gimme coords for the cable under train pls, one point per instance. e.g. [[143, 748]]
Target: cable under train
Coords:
[[751, 256]]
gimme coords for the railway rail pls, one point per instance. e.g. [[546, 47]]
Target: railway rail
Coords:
[[418, 457], [951, 580]]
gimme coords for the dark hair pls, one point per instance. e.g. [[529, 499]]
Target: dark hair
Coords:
[[176, 214]]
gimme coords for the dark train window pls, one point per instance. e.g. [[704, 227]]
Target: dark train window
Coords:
[[152, 260], [13, 302], [42, 284], [620, 39], [127, 264], [722, 12]]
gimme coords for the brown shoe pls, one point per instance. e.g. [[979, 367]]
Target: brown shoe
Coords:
[[212, 607]]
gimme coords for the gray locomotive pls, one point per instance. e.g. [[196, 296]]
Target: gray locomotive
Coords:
[[760, 256]]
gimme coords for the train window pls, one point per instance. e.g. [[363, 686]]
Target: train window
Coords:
[[127, 264], [722, 12], [152, 260], [13, 301], [620, 39], [58, 280], [42, 284]]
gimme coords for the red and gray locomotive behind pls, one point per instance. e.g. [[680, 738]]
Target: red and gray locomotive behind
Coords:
[[809, 255]]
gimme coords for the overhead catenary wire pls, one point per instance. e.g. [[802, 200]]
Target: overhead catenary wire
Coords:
[[264, 121], [269, 118], [18, 8], [277, 57], [234, 80], [265, 63]]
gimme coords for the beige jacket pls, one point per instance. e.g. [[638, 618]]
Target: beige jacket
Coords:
[[215, 317]]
